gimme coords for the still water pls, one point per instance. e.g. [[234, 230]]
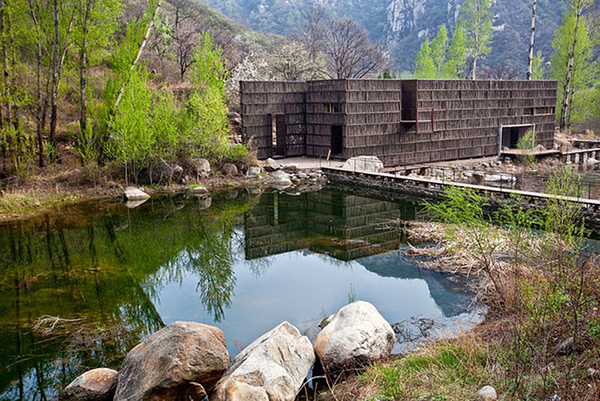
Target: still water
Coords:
[[244, 263]]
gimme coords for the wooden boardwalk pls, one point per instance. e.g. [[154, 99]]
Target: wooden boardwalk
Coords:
[[591, 204]]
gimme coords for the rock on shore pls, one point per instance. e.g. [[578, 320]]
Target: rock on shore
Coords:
[[273, 367], [356, 336], [182, 358]]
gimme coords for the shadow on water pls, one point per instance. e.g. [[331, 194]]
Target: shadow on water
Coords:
[[243, 263]]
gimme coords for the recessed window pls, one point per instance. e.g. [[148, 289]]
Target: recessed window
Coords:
[[331, 108]]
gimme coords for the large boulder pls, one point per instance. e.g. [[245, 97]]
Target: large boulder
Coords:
[[273, 367], [369, 164], [133, 194], [93, 385], [356, 336], [182, 358]]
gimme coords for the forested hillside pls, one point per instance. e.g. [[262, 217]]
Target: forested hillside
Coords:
[[402, 25]]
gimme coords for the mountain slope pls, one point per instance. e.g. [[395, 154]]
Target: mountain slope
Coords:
[[402, 25]]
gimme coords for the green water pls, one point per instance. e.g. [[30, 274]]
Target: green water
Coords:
[[243, 263]]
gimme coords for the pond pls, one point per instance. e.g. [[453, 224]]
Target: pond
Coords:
[[244, 263]]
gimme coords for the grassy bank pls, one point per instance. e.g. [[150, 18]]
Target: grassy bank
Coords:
[[541, 283]]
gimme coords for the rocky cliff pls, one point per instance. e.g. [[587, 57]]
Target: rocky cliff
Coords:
[[402, 25]]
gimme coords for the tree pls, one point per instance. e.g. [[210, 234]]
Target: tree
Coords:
[[537, 67], [439, 48], [97, 21], [424, 65], [531, 43], [476, 16], [577, 7], [348, 51], [455, 65], [293, 62], [439, 59], [571, 67]]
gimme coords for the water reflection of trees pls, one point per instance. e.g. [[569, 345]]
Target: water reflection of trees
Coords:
[[101, 266]]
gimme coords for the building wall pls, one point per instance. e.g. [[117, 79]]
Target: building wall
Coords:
[[379, 116], [263, 99]]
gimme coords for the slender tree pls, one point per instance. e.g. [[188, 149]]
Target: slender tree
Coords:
[[63, 11], [439, 48], [577, 7], [456, 63], [424, 65], [531, 42], [477, 19]]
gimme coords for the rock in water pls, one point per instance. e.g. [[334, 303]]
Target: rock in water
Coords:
[[273, 367], [356, 336], [370, 164], [487, 393], [175, 359], [93, 385], [135, 194]]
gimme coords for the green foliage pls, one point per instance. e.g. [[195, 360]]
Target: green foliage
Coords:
[[527, 142], [456, 60], [424, 66], [477, 18], [387, 74], [442, 59], [538, 70], [584, 69], [209, 72]]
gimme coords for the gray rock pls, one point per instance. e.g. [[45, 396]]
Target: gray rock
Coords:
[[273, 367], [135, 194], [370, 164], [281, 179], [592, 162], [302, 176], [202, 167], [229, 169], [487, 393], [93, 385], [177, 359], [271, 165], [291, 168], [356, 336], [253, 172], [198, 190], [540, 148]]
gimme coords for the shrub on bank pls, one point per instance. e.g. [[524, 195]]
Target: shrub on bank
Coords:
[[542, 336]]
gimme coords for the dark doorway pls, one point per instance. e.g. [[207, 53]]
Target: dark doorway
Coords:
[[278, 135], [337, 140], [512, 135]]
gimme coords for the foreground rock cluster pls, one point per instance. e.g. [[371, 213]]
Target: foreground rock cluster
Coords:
[[189, 361]]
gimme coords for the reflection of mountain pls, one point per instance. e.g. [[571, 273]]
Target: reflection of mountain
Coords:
[[449, 295], [346, 227]]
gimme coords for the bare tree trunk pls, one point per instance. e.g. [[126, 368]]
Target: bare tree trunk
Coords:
[[54, 72], [139, 54], [38, 75], [4, 65], [531, 43], [60, 52], [83, 62], [474, 77], [567, 87]]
